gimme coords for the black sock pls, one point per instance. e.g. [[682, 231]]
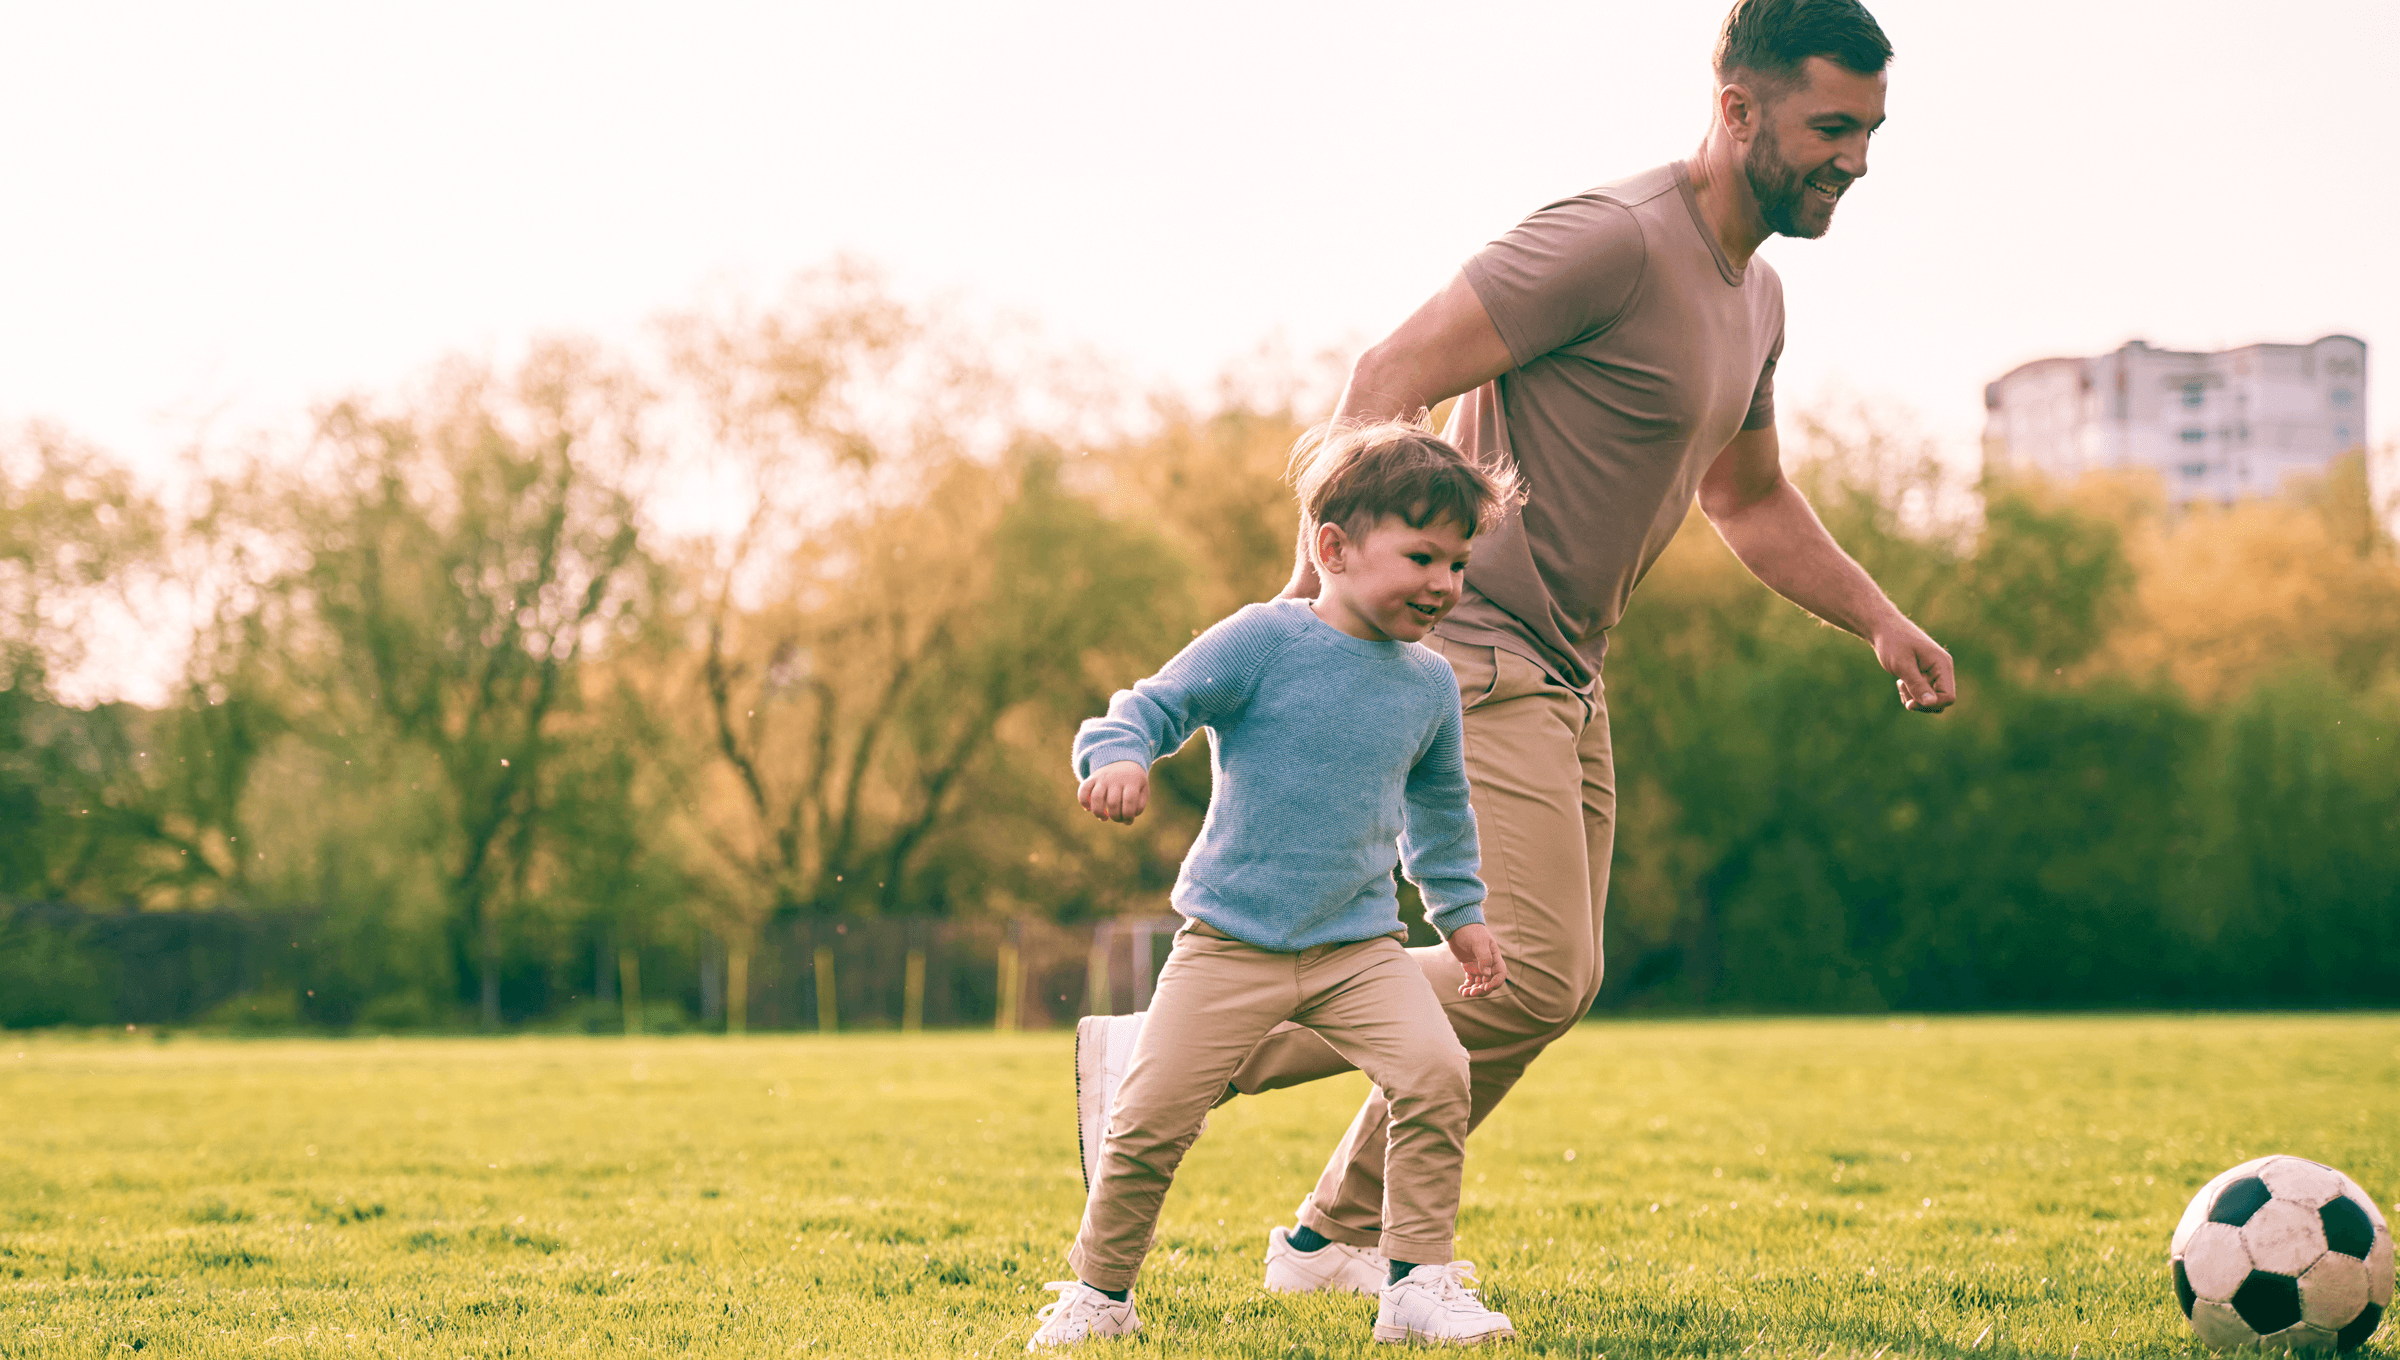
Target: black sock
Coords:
[[1114, 1295], [1307, 1239], [1400, 1271]]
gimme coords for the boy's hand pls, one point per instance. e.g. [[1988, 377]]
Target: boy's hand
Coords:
[[1116, 792], [1480, 952]]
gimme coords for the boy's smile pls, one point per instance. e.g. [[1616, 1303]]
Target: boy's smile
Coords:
[[1394, 583]]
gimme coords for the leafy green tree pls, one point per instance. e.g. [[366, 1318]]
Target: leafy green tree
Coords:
[[908, 693], [73, 781], [458, 562], [2294, 882]]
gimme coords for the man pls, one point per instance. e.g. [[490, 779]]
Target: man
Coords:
[[1619, 349]]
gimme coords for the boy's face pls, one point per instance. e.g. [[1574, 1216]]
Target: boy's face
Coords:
[[1395, 582]]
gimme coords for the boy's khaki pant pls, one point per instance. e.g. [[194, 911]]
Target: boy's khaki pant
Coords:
[[1543, 782], [1215, 1000]]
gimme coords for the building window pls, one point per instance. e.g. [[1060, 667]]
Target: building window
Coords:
[[2194, 436], [2191, 394], [2194, 469], [2341, 396]]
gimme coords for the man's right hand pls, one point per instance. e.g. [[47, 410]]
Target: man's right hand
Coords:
[[1116, 792], [1927, 680]]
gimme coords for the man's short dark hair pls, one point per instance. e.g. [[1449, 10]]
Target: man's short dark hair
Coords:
[[1774, 38]]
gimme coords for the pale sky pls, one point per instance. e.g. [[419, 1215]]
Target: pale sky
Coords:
[[219, 214]]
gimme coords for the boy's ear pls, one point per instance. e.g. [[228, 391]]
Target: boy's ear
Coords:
[[1330, 543]]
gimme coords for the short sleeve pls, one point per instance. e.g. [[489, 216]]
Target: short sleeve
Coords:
[[1766, 312], [1562, 276], [1762, 398]]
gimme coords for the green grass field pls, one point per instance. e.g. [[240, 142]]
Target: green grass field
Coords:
[[1785, 1187]]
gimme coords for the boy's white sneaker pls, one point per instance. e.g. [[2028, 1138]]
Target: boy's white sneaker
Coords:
[[1336, 1267], [1434, 1305], [1082, 1313], [1103, 1052]]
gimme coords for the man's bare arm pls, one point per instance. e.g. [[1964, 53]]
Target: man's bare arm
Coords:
[[1446, 347], [1772, 528]]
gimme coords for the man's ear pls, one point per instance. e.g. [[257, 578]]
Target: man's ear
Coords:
[[1330, 544], [1740, 111]]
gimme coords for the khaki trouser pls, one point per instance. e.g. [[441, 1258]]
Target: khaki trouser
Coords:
[[1216, 999], [1544, 787]]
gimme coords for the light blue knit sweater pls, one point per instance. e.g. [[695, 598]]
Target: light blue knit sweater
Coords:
[[1334, 758]]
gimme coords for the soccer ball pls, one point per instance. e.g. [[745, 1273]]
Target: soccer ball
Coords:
[[2282, 1252]]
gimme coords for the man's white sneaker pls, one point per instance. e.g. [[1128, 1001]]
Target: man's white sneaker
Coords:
[[1082, 1313], [1103, 1051], [1334, 1268], [1433, 1304]]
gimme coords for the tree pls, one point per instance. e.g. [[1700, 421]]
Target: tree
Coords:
[[911, 688], [465, 557], [2229, 596], [73, 782]]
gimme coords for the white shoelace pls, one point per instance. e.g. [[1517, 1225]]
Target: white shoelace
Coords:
[[1458, 1282], [1067, 1299]]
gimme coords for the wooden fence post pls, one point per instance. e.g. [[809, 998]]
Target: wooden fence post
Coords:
[[1142, 975], [829, 1016], [1004, 1017], [912, 984], [1098, 997], [737, 989]]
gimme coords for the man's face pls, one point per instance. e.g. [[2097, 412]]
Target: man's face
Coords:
[[1811, 144]]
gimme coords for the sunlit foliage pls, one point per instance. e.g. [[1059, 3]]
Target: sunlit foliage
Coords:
[[488, 722]]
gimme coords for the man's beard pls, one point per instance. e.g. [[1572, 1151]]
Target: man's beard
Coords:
[[1780, 188]]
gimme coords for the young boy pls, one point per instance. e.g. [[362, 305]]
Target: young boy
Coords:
[[1337, 749]]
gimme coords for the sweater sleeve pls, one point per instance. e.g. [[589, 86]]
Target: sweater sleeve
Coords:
[[1438, 848], [1208, 681]]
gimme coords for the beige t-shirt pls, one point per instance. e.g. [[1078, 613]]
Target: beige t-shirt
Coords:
[[1640, 352]]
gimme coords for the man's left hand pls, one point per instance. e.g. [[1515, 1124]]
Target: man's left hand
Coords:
[[1927, 682]]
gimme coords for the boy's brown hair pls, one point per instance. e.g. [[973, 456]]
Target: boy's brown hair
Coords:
[[1353, 474]]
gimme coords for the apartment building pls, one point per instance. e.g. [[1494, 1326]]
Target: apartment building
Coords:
[[2217, 426]]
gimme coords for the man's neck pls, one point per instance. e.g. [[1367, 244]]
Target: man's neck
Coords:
[[1726, 203]]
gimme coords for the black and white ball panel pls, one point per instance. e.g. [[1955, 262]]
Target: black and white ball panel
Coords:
[[2284, 1252], [2301, 1182], [2335, 1289], [2283, 1237]]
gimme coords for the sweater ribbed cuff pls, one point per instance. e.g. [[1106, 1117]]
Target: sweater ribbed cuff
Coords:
[[1449, 919], [1098, 756]]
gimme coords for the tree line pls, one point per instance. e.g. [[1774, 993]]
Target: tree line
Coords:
[[469, 719]]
